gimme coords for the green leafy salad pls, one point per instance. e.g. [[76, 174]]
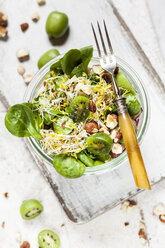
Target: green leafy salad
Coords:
[[74, 117]]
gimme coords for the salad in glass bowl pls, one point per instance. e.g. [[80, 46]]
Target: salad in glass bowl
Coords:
[[73, 117]]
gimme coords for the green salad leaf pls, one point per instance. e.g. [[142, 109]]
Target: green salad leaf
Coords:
[[68, 166], [20, 121], [74, 62]]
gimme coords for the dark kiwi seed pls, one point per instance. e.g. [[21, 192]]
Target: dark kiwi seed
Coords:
[[99, 142], [48, 238], [79, 109]]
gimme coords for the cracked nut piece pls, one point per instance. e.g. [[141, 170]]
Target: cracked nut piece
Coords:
[[104, 130], [92, 106], [25, 244], [111, 121], [142, 232], [24, 26], [91, 127], [41, 2], [22, 54], [162, 218], [3, 32], [116, 150], [97, 69], [28, 77], [35, 17], [21, 69], [128, 205], [3, 19], [116, 135], [159, 210]]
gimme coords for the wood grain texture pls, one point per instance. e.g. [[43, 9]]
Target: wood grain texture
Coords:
[[87, 197]]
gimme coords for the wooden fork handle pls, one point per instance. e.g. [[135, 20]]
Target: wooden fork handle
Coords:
[[133, 151]]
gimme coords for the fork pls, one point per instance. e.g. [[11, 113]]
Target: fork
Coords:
[[108, 63]]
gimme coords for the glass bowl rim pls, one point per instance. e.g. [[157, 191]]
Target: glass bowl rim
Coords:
[[114, 163]]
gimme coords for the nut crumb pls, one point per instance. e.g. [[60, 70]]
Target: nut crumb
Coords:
[[3, 224], [22, 54], [128, 205], [142, 232], [18, 237], [35, 17], [62, 225], [159, 210], [41, 2], [126, 223], [3, 19], [162, 218], [21, 69], [24, 26], [28, 77], [3, 33], [25, 244], [6, 194]]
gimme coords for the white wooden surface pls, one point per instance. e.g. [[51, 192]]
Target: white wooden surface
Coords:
[[19, 175]]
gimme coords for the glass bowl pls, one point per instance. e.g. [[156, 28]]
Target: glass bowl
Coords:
[[136, 83]]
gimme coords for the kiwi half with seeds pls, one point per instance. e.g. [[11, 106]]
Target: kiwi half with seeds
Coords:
[[30, 209], [48, 239], [99, 143], [79, 109]]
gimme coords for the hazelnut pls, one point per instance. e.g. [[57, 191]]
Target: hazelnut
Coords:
[[116, 150], [28, 77], [3, 19], [22, 54], [24, 26], [97, 69], [106, 76], [3, 33], [25, 244], [116, 135], [35, 17], [162, 218], [159, 210], [41, 2], [103, 130], [21, 69], [91, 127], [92, 106], [111, 121]]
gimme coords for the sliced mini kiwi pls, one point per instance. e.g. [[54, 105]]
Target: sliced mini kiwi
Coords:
[[48, 239], [123, 83], [63, 125], [99, 143], [30, 209], [79, 109], [98, 162]]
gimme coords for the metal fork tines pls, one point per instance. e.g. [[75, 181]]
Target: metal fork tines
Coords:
[[107, 61]]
